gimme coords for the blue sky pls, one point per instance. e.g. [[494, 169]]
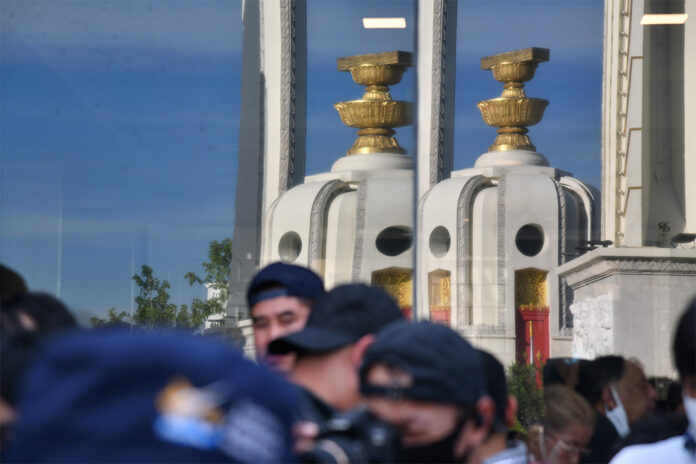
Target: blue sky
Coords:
[[119, 122]]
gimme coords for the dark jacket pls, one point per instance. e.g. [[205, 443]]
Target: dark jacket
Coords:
[[602, 444]]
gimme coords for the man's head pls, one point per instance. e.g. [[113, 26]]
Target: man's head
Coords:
[[280, 298], [429, 382], [684, 348], [331, 346], [618, 389], [505, 405]]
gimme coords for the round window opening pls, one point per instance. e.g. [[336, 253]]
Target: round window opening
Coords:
[[289, 247], [529, 240], [394, 240], [439, 241]]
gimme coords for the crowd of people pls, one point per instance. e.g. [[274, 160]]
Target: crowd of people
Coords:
[[341, 377]]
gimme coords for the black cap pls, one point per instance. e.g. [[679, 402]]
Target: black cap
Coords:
[[444, 367], [290, 280], [495, 383], [341, 317]]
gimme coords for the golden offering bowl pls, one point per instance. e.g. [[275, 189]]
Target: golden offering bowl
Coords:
[[514, 72], [363, 114], [375, 114], [512, 112], [377, 75], [505, 112]]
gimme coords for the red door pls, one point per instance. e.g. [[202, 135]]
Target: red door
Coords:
[[532, 333]]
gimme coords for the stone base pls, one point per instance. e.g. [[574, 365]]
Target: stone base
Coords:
[[626, 301]]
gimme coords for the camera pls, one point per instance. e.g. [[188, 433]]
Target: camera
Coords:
[[354, 437]]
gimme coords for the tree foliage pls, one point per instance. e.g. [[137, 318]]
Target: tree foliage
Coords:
[[153, 308], [522, 384], [217, 277], [113, 318]]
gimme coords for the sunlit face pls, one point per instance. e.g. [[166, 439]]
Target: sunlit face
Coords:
[[568, 445], [420, 423], [636, 393], [274, 318]]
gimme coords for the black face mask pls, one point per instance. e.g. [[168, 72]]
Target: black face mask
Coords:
[[435, 453]]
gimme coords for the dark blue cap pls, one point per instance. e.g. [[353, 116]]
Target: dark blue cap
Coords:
[[111, 396], [288, 280], [444, 367], [339, 318]]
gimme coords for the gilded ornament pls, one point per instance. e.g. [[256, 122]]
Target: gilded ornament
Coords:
[[513, 111], [376, 114]]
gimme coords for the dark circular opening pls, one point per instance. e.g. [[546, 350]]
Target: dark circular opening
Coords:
[[289, 246], [394, 240], [439, 241], [529, 240]]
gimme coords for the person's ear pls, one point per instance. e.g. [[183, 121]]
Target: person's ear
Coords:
[[360, 347], [608, 401], [475, 432], [511, 411]]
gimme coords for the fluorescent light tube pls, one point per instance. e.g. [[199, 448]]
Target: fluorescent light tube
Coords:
[[660, 19], [384, 23]]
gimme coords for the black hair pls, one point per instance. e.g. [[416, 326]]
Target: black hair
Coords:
[[594, 376], [684, 348], [496, 384], [11, 284]]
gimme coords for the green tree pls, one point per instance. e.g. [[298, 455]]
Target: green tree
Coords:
[[217, 273], [113, 318], [153, 306], [522, 384]]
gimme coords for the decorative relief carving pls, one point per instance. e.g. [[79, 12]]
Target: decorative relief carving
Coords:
[[287, 94], [592, 333], [358, 251], [437, 92], [320, 211], [501, 249], [464, 208]]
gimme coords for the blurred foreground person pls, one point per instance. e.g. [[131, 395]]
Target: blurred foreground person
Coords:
[[429, 382], [27, 320], [280, 298], [111, 396], [331, 347], [621, 394], [11, 284], [567, 427], [503, 449], [680, 449]]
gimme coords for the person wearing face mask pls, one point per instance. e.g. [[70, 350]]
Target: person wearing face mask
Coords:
[[682, 448], [567, 427], [429, 383], [621, 394]]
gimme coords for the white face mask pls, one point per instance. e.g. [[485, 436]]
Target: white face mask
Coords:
[[617, 416], [690, 410]]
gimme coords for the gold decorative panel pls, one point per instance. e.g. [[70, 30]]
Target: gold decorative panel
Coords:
[[530, 288], [398, 282], [439, 288]]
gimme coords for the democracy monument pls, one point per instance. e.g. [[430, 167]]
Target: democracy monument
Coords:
[[490, 250]]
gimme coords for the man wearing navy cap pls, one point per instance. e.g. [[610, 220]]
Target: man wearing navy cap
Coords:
[[331, 346], [429, 382], [280, 298]]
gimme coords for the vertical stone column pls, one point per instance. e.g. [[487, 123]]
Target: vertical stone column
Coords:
[[271, 156], [284, 70], [690, 117], [436, 72]]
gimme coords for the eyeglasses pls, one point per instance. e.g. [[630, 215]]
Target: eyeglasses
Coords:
[[570, 449]]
